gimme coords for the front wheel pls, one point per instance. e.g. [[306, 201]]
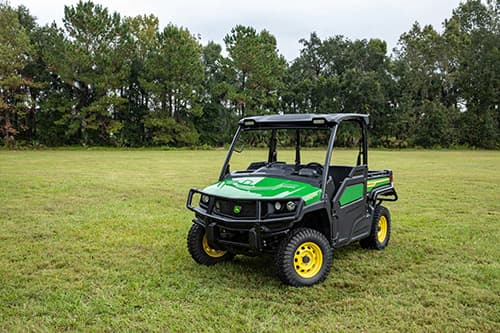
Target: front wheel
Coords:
[[304, 258], [199, 249], [380, 230]]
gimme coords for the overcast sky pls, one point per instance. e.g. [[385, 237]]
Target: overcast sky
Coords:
[[288, 20]]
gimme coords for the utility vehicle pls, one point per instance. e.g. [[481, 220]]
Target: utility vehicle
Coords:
[[293, 204]]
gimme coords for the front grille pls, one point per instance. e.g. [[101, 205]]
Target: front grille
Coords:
[[236, 209]]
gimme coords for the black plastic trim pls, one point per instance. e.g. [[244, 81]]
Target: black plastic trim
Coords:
[[208, 212]]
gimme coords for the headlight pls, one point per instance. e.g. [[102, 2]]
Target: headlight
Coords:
[[277, 205], [205, 198], [290, 206]]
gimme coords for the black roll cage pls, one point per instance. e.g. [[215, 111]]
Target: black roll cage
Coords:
[[298, 122]]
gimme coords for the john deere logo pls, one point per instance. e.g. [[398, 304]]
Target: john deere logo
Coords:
[[237, 209]]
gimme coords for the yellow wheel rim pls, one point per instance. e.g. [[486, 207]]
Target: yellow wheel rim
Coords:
[[211, 252], [308, 260], [382, 229]]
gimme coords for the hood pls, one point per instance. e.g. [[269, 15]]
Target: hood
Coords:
[[264, 188]]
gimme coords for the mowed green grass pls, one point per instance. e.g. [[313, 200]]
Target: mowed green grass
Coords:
[[96, 240]]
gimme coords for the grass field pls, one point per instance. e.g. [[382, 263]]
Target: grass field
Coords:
[[95, 240]]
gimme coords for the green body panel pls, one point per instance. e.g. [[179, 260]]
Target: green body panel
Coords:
[[377, 182], [264, 188], [355, 192], [351, 193]]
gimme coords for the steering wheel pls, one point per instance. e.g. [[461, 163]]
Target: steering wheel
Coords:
[[316, 166], [274, 164]]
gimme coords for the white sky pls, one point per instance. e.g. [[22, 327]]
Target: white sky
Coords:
[[289, 20]]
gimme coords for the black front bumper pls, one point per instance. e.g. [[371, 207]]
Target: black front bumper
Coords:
[[245, 234]]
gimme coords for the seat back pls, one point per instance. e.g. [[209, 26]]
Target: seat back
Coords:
[[338, 173]]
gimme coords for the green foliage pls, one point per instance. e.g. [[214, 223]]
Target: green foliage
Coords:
[[458, 69], [95, 66], [15, 51], [104, 79], [256, 71], [164, 130], [173, 77], [14, 41], [143, 37], [216, 124], [174, 72], [436, 126], [477, 28]]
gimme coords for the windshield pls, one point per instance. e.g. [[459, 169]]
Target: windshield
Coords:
[[280, 152]]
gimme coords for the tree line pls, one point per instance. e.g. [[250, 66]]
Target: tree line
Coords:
[[104, 79]]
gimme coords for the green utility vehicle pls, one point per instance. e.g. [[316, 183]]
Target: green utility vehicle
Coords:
[[297, 207]]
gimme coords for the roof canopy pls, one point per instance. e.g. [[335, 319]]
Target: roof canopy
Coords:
[[301, 120]]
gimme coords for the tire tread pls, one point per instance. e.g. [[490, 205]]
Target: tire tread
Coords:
[[286, 250], [371, 242], [195, 247]]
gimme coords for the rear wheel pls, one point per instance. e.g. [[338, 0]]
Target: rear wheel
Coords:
[[304, 258], [380, 230], [201, 251]]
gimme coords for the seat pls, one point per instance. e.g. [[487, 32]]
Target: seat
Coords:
[[338, 173]]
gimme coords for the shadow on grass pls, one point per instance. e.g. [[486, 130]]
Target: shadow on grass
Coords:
[[260, 271]]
